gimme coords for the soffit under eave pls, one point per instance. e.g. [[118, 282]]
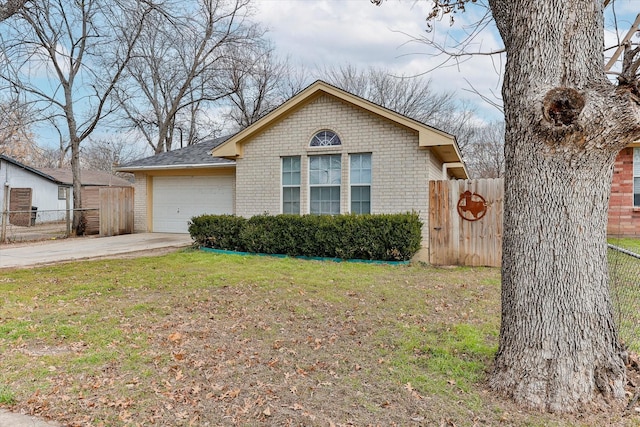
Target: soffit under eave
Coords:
[[198, 169], [446, 153], [450, 154], [458, 172]]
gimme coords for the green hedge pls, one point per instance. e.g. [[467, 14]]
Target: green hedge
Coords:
[[386, 237]]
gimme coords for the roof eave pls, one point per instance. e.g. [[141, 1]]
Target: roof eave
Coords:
[[171, 167], [232, 148], [457, 170], [32, 170]]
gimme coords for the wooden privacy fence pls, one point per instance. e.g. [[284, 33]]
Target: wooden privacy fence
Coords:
[[116, 211], [465, 222]]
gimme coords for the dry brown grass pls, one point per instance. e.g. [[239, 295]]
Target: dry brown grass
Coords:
[[220, 340]]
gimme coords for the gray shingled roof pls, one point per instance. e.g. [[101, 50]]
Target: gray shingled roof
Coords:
[[192, 155], [87, 177]]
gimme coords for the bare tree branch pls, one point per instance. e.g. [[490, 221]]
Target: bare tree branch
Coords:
[[180, 69], [75, 49], [10, 8]]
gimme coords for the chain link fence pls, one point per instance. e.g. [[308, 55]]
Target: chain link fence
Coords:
[[624, 272], [37, 224]]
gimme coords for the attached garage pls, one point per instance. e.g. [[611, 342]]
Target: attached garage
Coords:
[[173, 187], [176, 199]]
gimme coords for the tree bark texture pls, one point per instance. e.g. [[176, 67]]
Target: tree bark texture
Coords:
[[565, 124]]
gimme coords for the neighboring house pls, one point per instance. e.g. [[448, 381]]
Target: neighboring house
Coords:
[[91, 182], [40, 195], [26, 189], [624, 205], [324, 151]]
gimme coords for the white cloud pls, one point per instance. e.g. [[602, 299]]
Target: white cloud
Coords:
[[316, 32], [336, 32]]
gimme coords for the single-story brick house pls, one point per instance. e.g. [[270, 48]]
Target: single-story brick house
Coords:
[[324, 151], [624, 205]]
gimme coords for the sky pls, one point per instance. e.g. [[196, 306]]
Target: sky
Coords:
[[318, 33], [338, 32]]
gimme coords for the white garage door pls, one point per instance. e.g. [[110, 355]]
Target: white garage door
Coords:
[[179, 198]]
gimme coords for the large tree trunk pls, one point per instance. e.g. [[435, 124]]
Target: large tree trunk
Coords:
[[565, 123], [78, 215]]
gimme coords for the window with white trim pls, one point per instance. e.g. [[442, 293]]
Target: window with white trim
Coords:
[[291, 185], [360, 180], [324, 184], [62, 192], [636, 177], [325, 138]]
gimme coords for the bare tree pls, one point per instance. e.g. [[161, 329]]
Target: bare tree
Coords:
[[413, 97], [484, 155], [16, 138], [51, 157], [106, 154], [460, 120], [263, 82], [66, 57], [10, 8], [180, 67], [565, 124]]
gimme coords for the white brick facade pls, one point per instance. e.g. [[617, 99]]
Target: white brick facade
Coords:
[[405, 156], [400, 169], [140, 203]]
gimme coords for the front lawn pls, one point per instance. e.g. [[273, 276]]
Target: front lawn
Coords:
[[202, 339]]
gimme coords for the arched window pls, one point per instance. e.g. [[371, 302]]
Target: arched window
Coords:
[[325, 138]]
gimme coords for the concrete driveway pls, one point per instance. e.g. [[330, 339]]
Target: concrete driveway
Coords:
[[73, 249]]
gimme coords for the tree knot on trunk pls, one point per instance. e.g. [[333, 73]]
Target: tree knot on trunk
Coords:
[[562, 106]]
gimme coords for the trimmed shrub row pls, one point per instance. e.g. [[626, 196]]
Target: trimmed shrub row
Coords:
[[385, 237]]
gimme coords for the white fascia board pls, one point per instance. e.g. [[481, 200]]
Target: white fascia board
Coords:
[[173, 167]]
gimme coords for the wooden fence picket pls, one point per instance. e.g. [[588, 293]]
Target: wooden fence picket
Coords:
[[465, 220]]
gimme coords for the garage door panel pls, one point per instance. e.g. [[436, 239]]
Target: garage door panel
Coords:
[[177, 199]]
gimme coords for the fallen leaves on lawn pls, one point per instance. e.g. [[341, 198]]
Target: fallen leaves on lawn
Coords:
[[245, 353]]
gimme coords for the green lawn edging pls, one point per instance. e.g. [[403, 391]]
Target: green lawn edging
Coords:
[[364, 261]]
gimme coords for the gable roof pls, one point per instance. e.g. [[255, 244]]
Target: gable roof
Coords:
[[87, 177], [441, 143], [64, 177], [191, 156], [31, 169]]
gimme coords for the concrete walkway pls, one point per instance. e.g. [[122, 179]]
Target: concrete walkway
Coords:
[[9, 419], [73, 249]]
